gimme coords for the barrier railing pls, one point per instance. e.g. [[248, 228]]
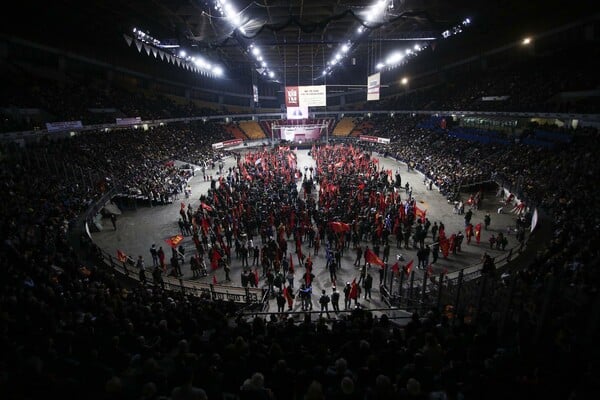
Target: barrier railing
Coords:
[[455, 289], [209, 291]]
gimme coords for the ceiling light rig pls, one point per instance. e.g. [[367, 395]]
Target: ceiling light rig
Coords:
[[263, 67], [373, 17], [229, 12], [401, 57], [173, 53]]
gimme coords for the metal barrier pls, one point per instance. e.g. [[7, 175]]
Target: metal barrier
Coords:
[[459, 289], [237, 294]]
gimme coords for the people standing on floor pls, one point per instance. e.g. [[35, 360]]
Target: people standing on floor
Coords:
[[161, 258], [434, 231], [435, 251], [113, 220], [335, 300], [154, 254], [368, 285], [347, 299], [324, 302], [386, 252], [487, 220], [141, 270], [359, 254], [280, 301]]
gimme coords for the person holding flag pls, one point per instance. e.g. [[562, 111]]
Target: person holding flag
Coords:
[[408, 268], [478, 233], [354, 292], [289, 296]]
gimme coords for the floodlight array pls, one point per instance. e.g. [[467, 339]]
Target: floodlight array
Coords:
[[180, 57], [401, 56]]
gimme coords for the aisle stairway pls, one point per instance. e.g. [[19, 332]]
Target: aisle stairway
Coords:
[[235, 131], [344, 126], [252, 129]]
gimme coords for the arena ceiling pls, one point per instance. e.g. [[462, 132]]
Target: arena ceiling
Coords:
[[298, 39]]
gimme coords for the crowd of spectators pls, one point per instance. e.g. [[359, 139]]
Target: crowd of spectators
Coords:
[[91, 103], [72, 328], [533, 85]]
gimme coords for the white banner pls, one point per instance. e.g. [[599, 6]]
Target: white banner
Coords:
[[495, 98], [255, 93], [373, 139], [534, 220], [128, 121], [63, 126], [297, 112], [312, 96], [305, 96], [300, 133], [373, 85]]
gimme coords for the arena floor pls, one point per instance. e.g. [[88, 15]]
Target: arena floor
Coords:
[[138, 229]]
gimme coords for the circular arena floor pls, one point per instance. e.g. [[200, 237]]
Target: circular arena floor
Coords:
[[138, 229]]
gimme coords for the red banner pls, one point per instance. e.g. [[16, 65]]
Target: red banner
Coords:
[[339, 227], [174, 241], [372, 258]]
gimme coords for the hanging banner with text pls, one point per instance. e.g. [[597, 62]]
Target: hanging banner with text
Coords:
[[63, 126], [227, 143], [305, 96], [128, 121], [373, 139], [373, 85], [297, 112]]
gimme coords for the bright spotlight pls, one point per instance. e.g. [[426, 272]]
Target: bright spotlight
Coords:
[[271, 74], [218, 71], [181, 53], [380, 65], [345, 48], [404, 81], [255, 51], [526, 41]]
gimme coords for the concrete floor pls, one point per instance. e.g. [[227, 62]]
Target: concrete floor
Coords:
[[139, 228]]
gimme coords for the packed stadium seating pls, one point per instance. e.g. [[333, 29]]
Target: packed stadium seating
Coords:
[[73, 328]]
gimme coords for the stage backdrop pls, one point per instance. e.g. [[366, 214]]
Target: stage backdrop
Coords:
[[300, 133]]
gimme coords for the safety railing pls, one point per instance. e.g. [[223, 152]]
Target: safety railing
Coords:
[[209, 291]]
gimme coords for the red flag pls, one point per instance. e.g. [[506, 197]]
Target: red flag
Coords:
[[396, 267], [256, 277], [122, 257], [205, 225], [444, 245], [372, 258], [408, 267], [419, 213], [354, 290], [206, 206], [288, 296], [214, 259], [339, 227], [478, 232], [174, 241], [214, 280]]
